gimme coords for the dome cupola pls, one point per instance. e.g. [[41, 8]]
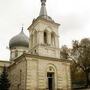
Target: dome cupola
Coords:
[[19, 40]]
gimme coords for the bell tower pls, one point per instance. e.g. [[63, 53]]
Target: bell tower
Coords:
[[44, 36]]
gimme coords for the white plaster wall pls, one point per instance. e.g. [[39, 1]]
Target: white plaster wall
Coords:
[[37, 74]]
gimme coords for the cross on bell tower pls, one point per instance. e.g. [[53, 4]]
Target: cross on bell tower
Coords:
[[43, 11], [43, 2]]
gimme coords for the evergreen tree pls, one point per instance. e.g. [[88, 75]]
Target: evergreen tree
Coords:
[[4, 82]]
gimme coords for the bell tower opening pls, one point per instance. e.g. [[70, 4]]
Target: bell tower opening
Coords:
[[53, 39], [50, 80], [45, 37]]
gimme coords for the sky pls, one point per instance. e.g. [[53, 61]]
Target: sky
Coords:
[[72, 15]]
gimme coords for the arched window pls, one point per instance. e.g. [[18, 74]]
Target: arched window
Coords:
[[52, 39], [45, 37]]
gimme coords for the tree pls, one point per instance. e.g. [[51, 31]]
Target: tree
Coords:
[[81, 56], [64, 52], [4, 82]]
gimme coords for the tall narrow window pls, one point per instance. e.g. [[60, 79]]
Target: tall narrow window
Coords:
[[31, 40], [35, 37], [52, 39], [16, 53], [20, 77], [45, 37]]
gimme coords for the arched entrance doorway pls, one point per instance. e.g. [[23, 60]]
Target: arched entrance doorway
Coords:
[[51, 77], [50, 80]]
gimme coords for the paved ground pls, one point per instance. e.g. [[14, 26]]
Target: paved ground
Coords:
[[83, 89]]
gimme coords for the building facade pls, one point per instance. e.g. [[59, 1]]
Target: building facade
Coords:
[[35, 62]]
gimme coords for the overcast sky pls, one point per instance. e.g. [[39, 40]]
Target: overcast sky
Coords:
[[73, 15]]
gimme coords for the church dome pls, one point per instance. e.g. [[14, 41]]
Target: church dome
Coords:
[[19, 40]]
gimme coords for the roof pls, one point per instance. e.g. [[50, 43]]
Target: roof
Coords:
[[25, 55], [19, 40]]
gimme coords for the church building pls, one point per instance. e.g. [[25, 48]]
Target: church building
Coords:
[[35, 62]]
